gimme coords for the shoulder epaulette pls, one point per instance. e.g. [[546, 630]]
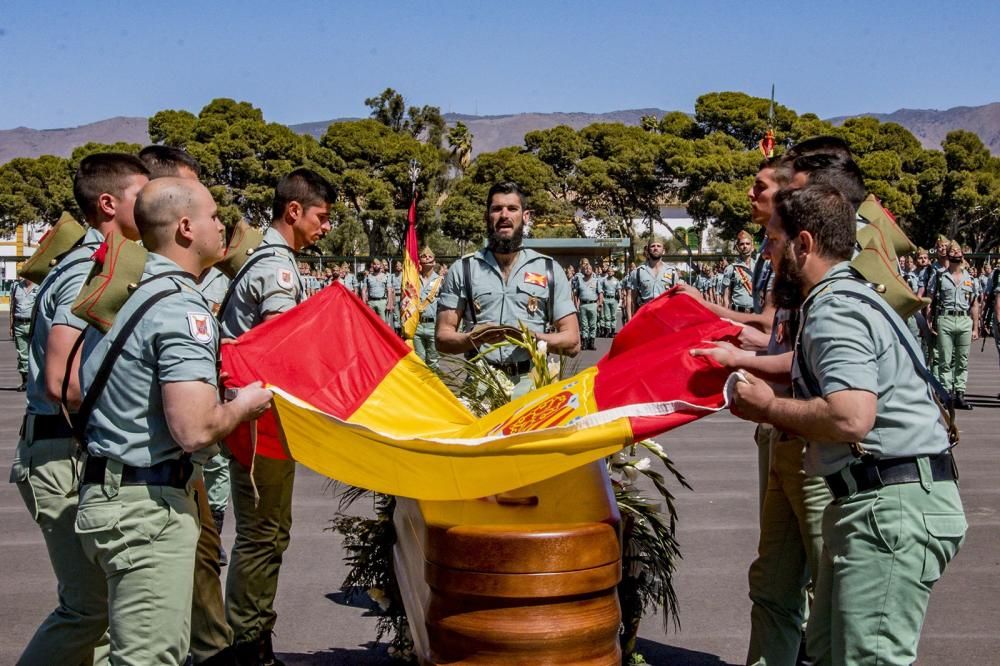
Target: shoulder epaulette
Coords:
[[66, 234]]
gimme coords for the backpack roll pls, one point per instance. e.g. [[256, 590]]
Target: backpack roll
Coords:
[[57, 241], [117, 271]]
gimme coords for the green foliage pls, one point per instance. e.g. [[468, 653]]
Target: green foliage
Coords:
[[742, 117]]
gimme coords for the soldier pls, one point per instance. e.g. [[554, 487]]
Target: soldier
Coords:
[[151, 401], [589, 301], [865, 406], [505, 284], [652, 277], [375, 291], [396, 282], [46, 462], [737, 281], [610, 289], [430, 288], [22, 303], [211, 636], [954, 323], [301, 216], [348, 278]]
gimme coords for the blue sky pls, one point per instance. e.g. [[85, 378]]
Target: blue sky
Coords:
[[68, 63]]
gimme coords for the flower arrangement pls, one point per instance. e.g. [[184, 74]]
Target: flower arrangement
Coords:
[[650, 549]]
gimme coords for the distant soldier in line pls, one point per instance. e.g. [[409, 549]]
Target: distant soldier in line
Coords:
[[397, 289], [653, 277], [955, 324], [610, 291], [22, 304], [589, 301], [348, 278], [375, 291], [737, 281], [430, 288]]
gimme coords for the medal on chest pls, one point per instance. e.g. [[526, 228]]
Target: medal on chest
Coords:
[[532, 304]]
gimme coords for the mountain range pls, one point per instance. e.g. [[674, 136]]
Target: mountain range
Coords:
[[494, 132]]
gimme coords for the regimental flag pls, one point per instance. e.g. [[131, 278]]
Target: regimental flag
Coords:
[[410, 283], [364, 409]]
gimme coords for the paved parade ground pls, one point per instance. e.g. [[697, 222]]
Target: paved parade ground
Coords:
[[717, 531]]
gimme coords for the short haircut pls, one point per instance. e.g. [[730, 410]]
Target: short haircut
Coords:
[[506, 187], [834, 169], [159, 206], [823, 211], [769, 163], [104, 173], [167, 161], [306, 187], [825, 144]]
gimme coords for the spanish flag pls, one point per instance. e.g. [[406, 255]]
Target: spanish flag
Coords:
[[353, 402], [410, 284]]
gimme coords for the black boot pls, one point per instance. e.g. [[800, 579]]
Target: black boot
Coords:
[[219, 517], [960, 402], [593, 343], [267, 657], [225, 658], [24, 382]]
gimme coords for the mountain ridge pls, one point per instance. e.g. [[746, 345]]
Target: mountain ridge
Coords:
[[493, 132]]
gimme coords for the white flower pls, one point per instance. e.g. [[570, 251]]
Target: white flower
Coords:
[[643, 465], [653, 446], [555, 365], [543, 347]]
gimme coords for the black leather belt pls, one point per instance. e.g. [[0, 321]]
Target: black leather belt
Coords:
[[426, 320], [511, 369], [49, 426], [372, 300], [587, 302], [955, 313], [22, 320], [173, 473], [874, 474], [741, 308]]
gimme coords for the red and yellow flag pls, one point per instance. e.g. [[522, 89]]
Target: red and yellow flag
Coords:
[[410, 284], [362, 408]]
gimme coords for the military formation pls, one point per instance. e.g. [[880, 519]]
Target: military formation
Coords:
[[119, 460]]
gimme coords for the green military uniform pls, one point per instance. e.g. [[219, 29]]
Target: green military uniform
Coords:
[[143, 533], [952, 302], [587, 292], [884, 547], [396, 280], [46, 471], [610, 287], [719, 286], [376, 289], [423, 337], [738, 280], [791, 540], [271, 286], [213, 287], [22, 304], [648, 283], [524, 297]]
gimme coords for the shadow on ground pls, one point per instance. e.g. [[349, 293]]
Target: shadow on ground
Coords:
[[370, 656], [353, 597], [657, 654]]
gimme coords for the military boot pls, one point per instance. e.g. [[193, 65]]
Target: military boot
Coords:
[[267, 657], [24, 382], [226, 657], [960, 402], [219, 517]]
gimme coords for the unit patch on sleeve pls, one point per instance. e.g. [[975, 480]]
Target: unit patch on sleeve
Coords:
[[200, 326]]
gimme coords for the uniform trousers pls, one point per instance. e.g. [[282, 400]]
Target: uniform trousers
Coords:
[[144, 540], [217, 482], [788, 553], [379, 306], [263, 532], [21, 342], [951, 354], [47, 473], [883, 550], [610, 312], [423, 344], [588, 320], [210, 633]]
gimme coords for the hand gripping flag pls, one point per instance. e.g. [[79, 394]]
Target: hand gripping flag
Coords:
[[410, 284], [356, 404]]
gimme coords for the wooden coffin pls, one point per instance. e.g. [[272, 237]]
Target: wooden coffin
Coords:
[[527, 578]]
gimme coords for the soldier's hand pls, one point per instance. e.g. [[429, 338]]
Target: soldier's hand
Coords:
[[975, 334], [685, 288], [751, 398], [253, 400], [724, 353]]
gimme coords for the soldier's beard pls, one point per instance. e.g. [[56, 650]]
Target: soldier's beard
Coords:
[[788, 282], [510, 245]]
